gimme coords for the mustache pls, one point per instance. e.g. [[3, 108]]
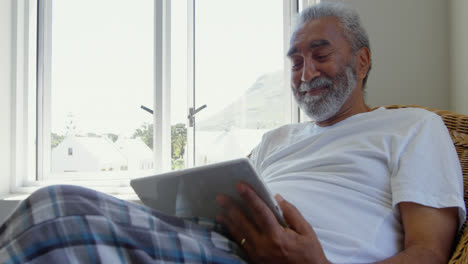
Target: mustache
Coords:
[[315, 83]]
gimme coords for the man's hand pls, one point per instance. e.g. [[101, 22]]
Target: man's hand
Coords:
[[264, 239]]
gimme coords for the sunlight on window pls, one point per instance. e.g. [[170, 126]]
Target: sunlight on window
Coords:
[[239, 75], [102, 72]]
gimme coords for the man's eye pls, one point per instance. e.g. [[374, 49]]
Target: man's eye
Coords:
[[322, 57], [296, 66]]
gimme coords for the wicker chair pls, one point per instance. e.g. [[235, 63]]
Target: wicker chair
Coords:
[[457, 125]]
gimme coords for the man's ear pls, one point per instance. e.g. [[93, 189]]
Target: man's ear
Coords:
[[362, 62]]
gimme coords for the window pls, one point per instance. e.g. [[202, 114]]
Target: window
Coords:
[[239, 75], [146, 86]]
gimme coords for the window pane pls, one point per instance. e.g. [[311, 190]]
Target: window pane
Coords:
[[102, 72], [179, 84], [239, 75]]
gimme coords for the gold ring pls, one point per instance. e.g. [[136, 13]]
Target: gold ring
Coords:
[[242, 241]]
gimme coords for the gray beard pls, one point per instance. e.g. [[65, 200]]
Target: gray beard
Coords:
[[323, 107]]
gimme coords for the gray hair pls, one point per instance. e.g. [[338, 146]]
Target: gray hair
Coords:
[[350, 22]]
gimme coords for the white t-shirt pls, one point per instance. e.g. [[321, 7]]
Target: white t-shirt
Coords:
[[347, 179]]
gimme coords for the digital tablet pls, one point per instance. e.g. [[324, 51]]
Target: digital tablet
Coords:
[[192, 192]]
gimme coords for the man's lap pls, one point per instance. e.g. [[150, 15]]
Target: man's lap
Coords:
[[75, 224]]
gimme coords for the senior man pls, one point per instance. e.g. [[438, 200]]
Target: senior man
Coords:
[[369, 186], [361, 186]]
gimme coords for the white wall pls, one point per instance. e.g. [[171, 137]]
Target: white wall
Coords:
[[459, 55], [409, 42], [5, 93]]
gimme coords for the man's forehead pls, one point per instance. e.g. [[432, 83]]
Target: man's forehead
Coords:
[[312, 45], [315, 33]]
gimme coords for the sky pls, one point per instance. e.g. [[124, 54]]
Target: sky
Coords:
[[102, 59]]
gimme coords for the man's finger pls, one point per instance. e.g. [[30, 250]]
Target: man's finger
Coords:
[[293, 217], [245, 242], [230, 226], [263, 217], [238, 224]]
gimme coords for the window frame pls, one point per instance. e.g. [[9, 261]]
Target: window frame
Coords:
[[43, 87], [23, 146], [161, 86], [30, 176]]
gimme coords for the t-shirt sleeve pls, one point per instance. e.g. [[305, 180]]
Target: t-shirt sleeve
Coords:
[[428, 170]]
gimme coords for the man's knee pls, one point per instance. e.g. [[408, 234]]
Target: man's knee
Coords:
[[62, 200], [53, 193]]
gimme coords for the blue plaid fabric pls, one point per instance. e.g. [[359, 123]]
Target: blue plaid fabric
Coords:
[[70, 224]]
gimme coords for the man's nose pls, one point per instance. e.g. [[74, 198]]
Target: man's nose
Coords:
[[309, 72]]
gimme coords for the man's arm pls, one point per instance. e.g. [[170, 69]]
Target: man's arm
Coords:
[[429, 232]]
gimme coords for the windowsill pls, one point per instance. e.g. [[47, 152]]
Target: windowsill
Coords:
[[14, 197], [10, 201], [123, 193], [116, 184]]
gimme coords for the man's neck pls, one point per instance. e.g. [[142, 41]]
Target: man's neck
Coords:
[[352, 106]]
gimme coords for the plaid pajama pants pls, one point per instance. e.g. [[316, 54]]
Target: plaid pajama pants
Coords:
[[70, 224]]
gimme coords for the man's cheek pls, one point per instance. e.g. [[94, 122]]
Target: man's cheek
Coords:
[[295, 80]]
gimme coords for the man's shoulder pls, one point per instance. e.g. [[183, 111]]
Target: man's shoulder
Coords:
[[403, 120], [410, 114]]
